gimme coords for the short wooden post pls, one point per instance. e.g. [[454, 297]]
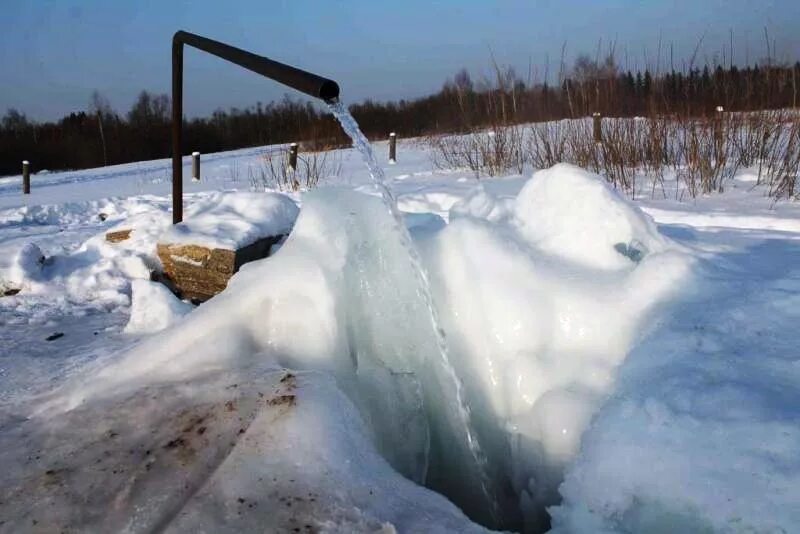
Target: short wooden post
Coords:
[[392, 148], [293, 156], [718, 126], [196, 166], [26, 178], [597, 127]]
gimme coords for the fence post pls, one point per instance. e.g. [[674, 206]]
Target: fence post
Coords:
[[718, 126], [293, 156], [597, 129], [26, 178], [196, 166], [392, 148]]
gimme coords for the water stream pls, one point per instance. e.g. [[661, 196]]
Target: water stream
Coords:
[[461, 409]]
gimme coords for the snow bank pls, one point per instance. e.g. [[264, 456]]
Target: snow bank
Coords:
[[68, 213], [234, 219], [97, 274], [482, 205], [702, 433], [576, 215], [153, 308], [538, 339], [83, 275]]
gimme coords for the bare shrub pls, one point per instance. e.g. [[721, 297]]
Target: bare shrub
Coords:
[[486, 153], [620, 153], [274, 171], [708, 155], [546, 143], [233, 172], [783, 161]]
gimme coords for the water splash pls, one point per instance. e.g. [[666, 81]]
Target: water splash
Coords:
[[362, 145]]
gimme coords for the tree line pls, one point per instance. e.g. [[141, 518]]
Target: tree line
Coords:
[[100, 136]]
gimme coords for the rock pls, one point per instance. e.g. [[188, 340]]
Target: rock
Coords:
[[117, 236], [198, 273]]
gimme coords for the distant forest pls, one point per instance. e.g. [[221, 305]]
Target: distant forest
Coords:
[[100, 136]]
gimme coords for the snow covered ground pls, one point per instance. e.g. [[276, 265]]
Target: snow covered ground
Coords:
[[623, 373]]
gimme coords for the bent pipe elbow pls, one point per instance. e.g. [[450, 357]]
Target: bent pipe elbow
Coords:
[[306, 82]]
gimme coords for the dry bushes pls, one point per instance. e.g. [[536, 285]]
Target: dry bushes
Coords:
[[486, 153], [274, 171], [492, 143], [702, 154]]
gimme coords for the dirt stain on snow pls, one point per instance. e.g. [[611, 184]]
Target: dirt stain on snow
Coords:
[[96, 477]]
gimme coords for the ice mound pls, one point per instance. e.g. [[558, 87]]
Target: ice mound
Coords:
[[153, 308], [574, 214], [538, 341], [231, 220], [535, 337], [340, 297]]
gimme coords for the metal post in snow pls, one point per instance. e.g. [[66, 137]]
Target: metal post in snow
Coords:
[[196, 166], [392, 148], [26, 178], [597, 127]]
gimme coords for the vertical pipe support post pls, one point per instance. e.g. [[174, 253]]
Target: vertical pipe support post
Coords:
[[177, 130]]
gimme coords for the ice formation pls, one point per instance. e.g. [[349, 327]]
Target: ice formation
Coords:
[[535, 337]]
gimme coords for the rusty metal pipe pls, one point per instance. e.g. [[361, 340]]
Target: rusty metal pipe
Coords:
[[305, 82]]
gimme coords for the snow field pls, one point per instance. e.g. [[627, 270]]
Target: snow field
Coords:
[[654, 376]]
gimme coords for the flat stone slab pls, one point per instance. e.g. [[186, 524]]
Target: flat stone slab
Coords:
[[117, 236], [198, 273]]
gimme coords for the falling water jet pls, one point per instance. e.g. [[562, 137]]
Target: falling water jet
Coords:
[[361, 144]]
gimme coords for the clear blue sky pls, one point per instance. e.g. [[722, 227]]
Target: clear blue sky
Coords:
[[53, 53]]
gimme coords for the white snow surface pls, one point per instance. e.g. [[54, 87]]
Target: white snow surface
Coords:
[[631, 366], [25, 265], [153, 308], [233, 220], [576, 215]]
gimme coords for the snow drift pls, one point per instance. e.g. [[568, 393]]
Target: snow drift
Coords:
[[232, 220], [568, 212], [153, 308]]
